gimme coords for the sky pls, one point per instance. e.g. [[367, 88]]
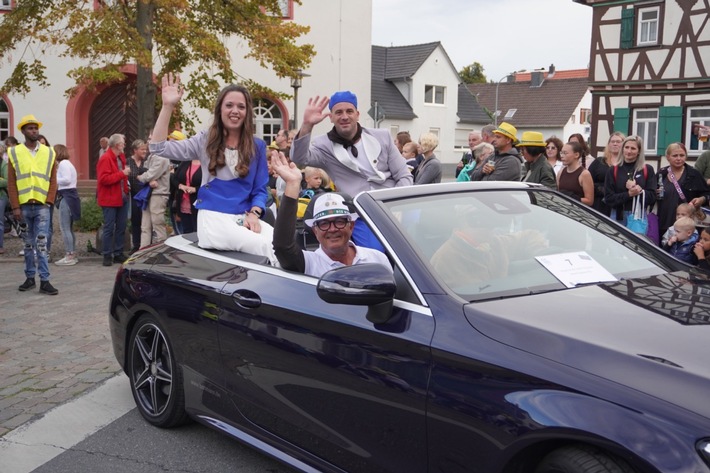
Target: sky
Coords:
[[502, 35]]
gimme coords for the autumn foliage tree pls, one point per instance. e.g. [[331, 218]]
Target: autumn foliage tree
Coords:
[[170, 35]]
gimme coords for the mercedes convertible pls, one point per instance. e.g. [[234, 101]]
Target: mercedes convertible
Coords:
[[515, 330]]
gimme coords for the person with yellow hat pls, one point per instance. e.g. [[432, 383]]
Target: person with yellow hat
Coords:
[[537, 168], [505, 164], [32, 188]]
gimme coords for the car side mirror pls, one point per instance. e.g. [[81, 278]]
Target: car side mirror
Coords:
[[368, 284]]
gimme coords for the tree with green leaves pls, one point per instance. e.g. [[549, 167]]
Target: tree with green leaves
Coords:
[[174, 35], [473, 74]]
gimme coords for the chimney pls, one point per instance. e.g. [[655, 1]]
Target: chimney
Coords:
[[536, 78], [551, 72]]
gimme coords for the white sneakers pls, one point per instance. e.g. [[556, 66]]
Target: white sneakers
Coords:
[[68, 260]]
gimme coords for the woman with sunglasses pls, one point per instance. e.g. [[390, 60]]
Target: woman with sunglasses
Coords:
[[553, 147]]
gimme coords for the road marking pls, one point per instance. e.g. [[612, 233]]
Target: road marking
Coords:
[[34, 444]]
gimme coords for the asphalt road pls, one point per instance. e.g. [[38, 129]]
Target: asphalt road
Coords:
[[101, 432]]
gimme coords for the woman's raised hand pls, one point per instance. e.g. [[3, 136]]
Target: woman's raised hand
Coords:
[[172, 89]]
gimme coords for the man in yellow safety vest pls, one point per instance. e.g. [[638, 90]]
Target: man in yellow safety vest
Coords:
[[31, 188]]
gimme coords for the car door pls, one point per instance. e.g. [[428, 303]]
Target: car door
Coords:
[[321, 377]]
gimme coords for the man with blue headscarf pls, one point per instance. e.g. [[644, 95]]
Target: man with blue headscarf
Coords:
[[356, 158]]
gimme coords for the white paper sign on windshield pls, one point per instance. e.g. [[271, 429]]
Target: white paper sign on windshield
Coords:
[[573, 269]]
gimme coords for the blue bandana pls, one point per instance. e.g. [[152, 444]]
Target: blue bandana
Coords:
[[342, 96]]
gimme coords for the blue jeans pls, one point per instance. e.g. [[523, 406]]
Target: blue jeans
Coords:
[[3, 205], [65, 224], [114, 229], [36, 216]]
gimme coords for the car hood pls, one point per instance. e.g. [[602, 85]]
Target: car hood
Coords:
[[649, 334]]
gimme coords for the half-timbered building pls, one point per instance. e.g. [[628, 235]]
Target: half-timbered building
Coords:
[[649, 72]]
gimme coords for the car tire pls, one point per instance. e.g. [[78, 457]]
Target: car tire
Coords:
[[582, 459], [154, 374]]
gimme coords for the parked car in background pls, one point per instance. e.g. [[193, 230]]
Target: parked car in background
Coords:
[[515, 331]]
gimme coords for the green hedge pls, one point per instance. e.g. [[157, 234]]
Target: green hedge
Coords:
[[91, 216]]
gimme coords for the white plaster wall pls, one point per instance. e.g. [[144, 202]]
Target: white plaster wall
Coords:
[[340, 30]]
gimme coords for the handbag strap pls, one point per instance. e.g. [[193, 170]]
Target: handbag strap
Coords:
[[672, 178]]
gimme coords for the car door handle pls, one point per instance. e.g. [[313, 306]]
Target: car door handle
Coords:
[[246, 298]]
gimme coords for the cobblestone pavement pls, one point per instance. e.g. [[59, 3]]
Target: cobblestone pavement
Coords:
[[52, 348]]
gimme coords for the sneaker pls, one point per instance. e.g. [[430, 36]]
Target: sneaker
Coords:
[[27, 285], [68, 260], [108, 261], [45, 287], [21, 253], [121, 258]]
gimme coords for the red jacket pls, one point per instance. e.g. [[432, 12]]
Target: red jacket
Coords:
[[111, 183]]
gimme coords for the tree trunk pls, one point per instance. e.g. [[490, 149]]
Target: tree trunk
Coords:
[[145, 88]]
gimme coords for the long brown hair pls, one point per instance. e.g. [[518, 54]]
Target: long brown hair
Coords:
[[216, 134]]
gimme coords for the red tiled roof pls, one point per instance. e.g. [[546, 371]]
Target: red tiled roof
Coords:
[[569, 74]]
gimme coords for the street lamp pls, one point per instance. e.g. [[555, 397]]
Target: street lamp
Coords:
[[296, 82], [495, 110]]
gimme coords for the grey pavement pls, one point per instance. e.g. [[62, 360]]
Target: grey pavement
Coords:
[[52, 348]]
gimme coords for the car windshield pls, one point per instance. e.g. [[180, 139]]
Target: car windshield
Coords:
[[492, 243]]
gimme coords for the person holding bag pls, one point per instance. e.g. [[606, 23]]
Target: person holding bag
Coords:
[[629, 179]]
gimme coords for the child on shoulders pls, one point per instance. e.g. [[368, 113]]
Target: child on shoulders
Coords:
[[682, 244]]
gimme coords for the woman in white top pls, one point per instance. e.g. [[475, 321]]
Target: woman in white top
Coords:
[[68, 203]]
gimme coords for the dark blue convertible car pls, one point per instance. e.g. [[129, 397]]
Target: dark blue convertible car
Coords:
[[516, 331]]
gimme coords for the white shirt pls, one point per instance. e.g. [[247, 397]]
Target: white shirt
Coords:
[[318, 263], [66, 175]]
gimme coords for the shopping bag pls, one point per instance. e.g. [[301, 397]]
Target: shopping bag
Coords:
[[637, 219]]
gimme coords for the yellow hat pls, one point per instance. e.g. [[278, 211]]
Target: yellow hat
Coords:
[[29, 120], [532, 138], [177, 135], [507, 130]]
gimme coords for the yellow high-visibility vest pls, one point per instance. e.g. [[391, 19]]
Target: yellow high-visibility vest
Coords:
[[32, 172]]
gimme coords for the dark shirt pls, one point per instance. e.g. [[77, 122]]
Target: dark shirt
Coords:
[[133, 181], [617, 195]]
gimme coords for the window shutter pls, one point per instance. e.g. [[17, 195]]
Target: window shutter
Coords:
[[670, 124], [627, 28], [621, 120]]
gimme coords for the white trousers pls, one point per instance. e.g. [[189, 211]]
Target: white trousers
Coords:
[[221, 231]]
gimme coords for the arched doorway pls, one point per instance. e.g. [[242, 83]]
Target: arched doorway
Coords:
[[4, 119], [268, 119], [113, 111]]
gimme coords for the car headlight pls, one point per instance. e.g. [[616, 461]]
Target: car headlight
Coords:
[[704, 450]]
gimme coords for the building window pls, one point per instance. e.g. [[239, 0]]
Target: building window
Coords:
[[510, 113], [585, 115], [5, 4], [646, 126], [268, 119], [285, 8], [4, 120], [697, 116], [435, 94], [648, 26]]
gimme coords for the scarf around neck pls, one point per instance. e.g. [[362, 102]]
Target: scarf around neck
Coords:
[[336, 138]]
